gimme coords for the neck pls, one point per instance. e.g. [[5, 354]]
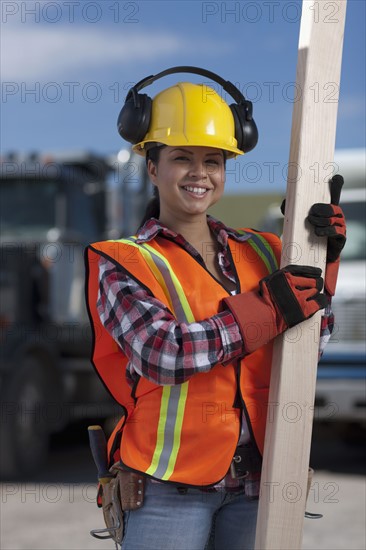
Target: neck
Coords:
[[195, 230]]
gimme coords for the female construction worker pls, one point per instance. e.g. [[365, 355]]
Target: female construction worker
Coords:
[[184, 315]]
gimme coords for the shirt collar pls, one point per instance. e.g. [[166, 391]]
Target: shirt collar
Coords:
[[154, 227]]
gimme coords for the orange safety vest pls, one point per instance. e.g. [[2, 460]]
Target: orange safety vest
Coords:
[[185, 433]]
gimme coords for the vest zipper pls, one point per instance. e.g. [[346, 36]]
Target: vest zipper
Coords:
[[233, 268], [238, 400], [117, 439], [134, 389], [243, 407]]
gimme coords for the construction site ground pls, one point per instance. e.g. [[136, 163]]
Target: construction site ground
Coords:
[[57, 509]]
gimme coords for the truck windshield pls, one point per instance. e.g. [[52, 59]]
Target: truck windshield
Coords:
[[27, 205], [355, 248]]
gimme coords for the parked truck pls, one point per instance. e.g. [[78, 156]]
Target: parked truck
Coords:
[[51, 207]]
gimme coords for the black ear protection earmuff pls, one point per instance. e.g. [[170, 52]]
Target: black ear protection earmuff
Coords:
[[134, 118]]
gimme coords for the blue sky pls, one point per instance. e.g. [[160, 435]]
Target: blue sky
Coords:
[[66, 67]]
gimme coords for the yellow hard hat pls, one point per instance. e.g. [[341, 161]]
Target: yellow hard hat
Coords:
[[192, 115]]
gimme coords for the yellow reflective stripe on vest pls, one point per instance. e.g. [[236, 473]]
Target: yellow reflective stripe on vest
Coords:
[[167, 279], [150, 262], [161, 431], [177, 430], [260, 254], [173, 398], [169, 431], [262, 247]]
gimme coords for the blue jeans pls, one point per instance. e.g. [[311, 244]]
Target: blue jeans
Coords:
[[194, 520]]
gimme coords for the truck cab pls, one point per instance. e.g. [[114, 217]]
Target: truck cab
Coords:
[[51, 207]]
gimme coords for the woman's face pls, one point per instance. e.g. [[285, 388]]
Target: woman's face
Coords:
[[189, 179]]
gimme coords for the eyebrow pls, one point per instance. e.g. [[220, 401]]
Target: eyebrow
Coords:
[[190, 152]]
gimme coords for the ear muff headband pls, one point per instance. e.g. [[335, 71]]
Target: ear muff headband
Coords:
[[134, 118]]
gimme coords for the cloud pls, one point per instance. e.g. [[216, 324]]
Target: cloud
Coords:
[[31, 53], [39, 52]]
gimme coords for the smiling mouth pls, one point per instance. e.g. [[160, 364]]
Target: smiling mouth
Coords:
[[199, 191]]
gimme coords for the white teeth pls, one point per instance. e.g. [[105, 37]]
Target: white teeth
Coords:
[[197, 190]]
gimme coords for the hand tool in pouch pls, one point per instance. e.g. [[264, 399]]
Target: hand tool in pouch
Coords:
[[111, 503]]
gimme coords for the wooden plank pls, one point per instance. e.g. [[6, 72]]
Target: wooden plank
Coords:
[[291, 400]]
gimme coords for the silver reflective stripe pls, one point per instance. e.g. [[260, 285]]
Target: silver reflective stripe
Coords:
[[173, 397], [262, 247], [171, 415], [165, 272]]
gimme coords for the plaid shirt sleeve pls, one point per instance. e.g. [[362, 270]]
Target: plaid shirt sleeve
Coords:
[[326, 327], [157, 346]]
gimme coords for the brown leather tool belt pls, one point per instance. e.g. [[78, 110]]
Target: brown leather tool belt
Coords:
[[125, 491]]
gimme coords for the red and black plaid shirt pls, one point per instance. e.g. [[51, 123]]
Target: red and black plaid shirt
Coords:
[[157, 346]]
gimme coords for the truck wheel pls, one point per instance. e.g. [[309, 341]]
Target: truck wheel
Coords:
[[23, 429]]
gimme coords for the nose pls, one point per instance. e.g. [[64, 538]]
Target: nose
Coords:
[[197, 169]]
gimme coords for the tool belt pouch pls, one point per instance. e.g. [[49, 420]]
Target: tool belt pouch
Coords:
[[131, 488], [112, 510], [125, 491]]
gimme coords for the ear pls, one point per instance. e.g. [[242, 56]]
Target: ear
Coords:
[[152, 171]]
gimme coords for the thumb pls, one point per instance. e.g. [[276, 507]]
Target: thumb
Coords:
[[336, 184]]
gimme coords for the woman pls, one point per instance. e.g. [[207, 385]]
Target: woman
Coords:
[[194, 307]]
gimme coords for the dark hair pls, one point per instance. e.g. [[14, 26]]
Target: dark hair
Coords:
[[153, 153], [153, 206]]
